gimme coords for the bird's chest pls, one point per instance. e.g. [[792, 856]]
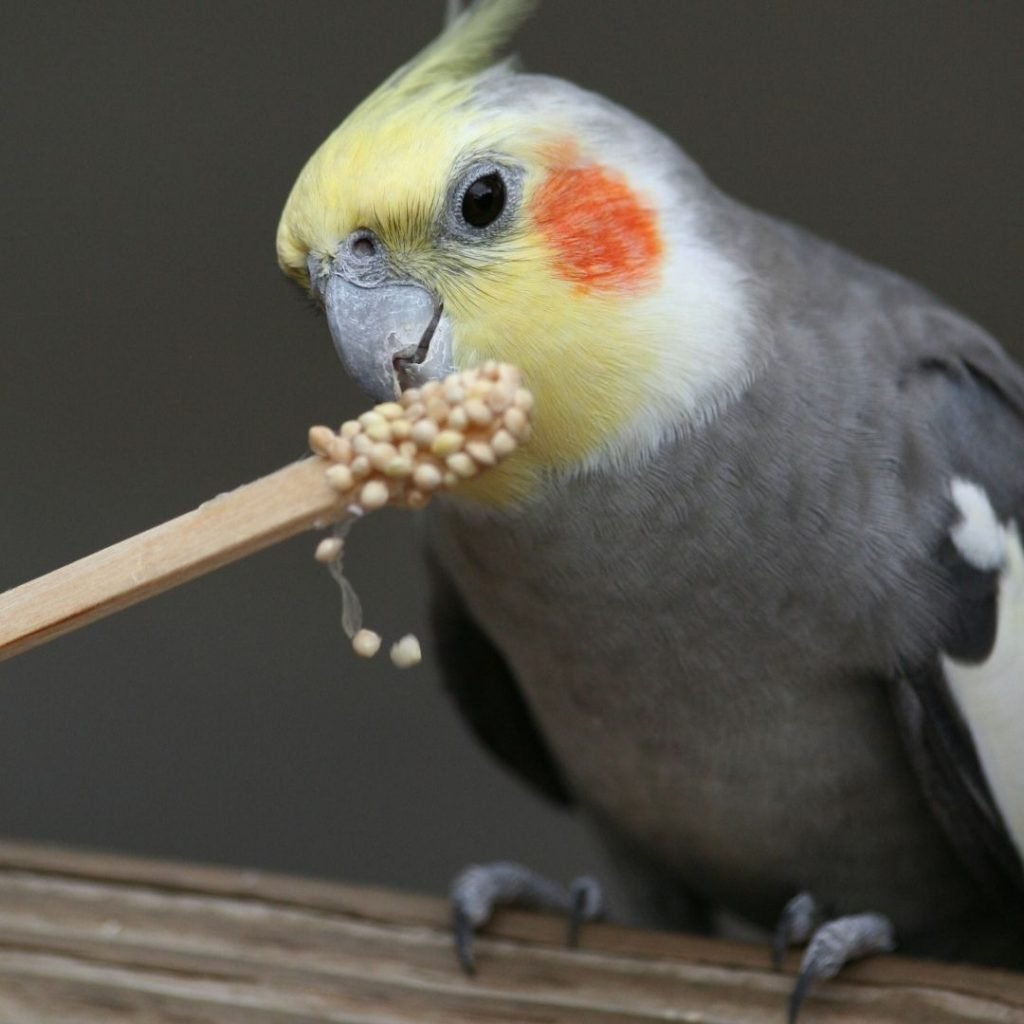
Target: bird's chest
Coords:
[[687, 702]]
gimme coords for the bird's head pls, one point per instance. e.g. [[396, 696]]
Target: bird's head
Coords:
[[466, 212]]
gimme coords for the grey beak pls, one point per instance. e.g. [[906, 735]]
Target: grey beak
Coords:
[[390, 336]]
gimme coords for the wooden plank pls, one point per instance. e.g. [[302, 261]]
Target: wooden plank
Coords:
[[227, 528], [89, 937]]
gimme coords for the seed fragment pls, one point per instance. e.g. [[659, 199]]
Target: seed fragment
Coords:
[[406, 652], [340, 477], [373, 495], [462, 465], [340, 449], [379, 431], [447, 443], [481, 452], [427, 477], [515, 421], [366, 643], [371, 418], [389, 410], [423, 433], [320, 439], [478, 412], [382, 455], [503, 443], [328, 549]]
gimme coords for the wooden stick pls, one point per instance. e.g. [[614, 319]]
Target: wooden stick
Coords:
[[430, 439], [220, 531]]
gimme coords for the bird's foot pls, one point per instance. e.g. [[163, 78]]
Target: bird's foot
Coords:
[[480, 888], [830, 943]]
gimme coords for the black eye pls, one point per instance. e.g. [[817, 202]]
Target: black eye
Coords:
[[484, 200]]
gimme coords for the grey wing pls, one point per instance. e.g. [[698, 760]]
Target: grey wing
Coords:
[[486, 693], [973, 395]]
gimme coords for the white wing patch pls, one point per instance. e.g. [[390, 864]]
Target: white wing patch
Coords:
[[991, 695], [978, 536]]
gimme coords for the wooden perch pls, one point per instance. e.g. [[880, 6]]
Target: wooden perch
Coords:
[[229, 527], [101, 939]]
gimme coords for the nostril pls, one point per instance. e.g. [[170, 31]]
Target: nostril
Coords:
[[364, 247]]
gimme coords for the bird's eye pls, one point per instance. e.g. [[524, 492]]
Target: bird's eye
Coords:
[[484, 200]]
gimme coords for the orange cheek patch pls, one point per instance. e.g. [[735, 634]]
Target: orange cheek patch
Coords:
[[602, 236]]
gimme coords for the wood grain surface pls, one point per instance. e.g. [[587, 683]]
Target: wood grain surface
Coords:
[[90, 938]]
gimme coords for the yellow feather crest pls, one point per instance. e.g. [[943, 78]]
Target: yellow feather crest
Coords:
[[466, 47], [393, 115]]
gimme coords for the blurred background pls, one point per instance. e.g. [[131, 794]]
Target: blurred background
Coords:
[[151, 356]]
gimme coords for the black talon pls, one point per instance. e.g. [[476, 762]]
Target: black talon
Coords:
[[576, 918], [463, 929], [799, 917], [803, 985]]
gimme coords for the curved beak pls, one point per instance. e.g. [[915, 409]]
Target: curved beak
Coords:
[[390, 336]]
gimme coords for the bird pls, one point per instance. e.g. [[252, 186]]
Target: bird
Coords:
[[751, 599]]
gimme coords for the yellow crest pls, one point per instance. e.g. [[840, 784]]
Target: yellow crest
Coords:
[[419, 95]]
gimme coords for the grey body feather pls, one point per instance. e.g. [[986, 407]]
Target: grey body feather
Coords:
[[715, 646]]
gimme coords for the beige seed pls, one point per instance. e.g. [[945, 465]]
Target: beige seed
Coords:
[[524, 399], [427, 477], [361, 444], [370, 418], [447, 443], [389, 410], [478, 412], [398, 467], [410, 398], [320, 439], [360, 466], [406, 652], [499, 398], [400, 430], [437, 410], [457, 418], [379, 432], [430, 390], [350, 428], [340, 478], [423, 433], [503, 443], [453, 392], [515, 421], [328, 549], [374, 495], [381, 455], [340, 449], [462, 465], [480, 452], [366, 643]]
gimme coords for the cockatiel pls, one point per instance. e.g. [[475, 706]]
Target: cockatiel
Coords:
[[751, 597]]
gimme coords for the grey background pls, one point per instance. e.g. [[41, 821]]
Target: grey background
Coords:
[[151, 356]]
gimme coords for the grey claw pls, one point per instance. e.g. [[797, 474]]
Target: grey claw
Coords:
[[837, 943], [587, 905], [799, 917], [463, 930], [480, 888]]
